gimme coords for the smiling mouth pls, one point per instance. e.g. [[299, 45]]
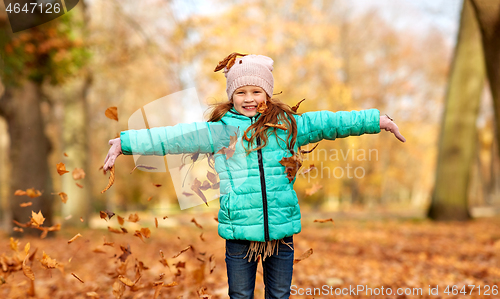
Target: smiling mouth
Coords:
[[249, 107]]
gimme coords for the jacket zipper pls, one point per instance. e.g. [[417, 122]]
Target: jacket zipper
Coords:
[[263, 188]]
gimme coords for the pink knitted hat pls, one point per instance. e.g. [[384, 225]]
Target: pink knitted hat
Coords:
[[253, 70]]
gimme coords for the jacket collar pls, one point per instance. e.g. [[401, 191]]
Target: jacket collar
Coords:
[[235, 114]]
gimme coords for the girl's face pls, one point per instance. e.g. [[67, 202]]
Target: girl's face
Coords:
[[246, 98]]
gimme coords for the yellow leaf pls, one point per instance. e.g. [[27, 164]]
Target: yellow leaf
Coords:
[[20, 192], [61, 168], [112, 113], [27, 248], [78, 174], [47, 262], [14, 244], [37, 218], [32, 192], [74, 238]]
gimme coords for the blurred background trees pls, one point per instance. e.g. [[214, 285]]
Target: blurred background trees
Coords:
[[59, 78]]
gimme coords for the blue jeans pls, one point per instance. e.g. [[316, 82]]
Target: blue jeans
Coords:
[[241, 273]]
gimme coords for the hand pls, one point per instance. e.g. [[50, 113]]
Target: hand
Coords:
[[114, 152], [388, 124]]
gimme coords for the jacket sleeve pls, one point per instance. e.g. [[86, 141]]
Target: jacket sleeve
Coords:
[[318, 125], [179, 139]]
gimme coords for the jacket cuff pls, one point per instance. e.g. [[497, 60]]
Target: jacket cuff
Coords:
[[125, 142], [372, 121]]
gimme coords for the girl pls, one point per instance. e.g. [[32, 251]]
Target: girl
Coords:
[[259, 210]]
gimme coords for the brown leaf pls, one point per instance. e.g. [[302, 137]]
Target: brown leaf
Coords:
[[183, 250], [114, 230], [165, 217], [149, 198], [294, 108], [25, 204], [118, 289], [64, 196], [143, 166], [74, 238], [103, 215], [315, 188], [292, 165], [27, 270], [32, 192], [196, 188], [78, 174], [79, 185], [211, 177], [180, 264], [76, 276], [133, 218], [262, 107], [311, 167], [216, 219], [126, 281], [196, 223], [303, 256], [279, 126], [111, 179], [125, 252], [324, 220], [61, 168], [37, 218], [19, 192], [146, 232], [47, 262], [157, 185], [112, 113], [228, 62], [163, 260], [205, 186], [18, 229], [120, 219], [309, 151], [156, 222], [201, 237], [65, 154], [212, 263]]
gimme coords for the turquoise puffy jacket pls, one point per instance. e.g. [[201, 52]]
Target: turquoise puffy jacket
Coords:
[[257, 201]]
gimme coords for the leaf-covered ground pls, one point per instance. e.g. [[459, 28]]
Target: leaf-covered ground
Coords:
[[401, 255]]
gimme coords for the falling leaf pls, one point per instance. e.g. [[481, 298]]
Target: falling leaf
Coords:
[[125, 281], [232, 145], [212, 263], [74, 238], [211, 177], [183, 250], [47, 262], [143, 166], [79, 185], [216, 219], [92, 295], [314, 188], [139, 235], [114, 230], [120, 219], [196, 188], [111, 179], [201, 237], [146, 232], [262, 107], [68, 217], [196, 223], [32, 192], [74, 275], [20, 192], [157, 185], [124, 230], [108, 243], [64, 196], [27, 248], [149, 198], [228, 62], [303, 256], [18, 229], [156, 222], [311, 167], [37, 218], [133, 218], [103, 215], [279, 126], [78, 174], [14, 244], [309, 151], [163, 260], [110, 214], [172, 284], [292, 165], [118, 289], [205, 186], [324, 220], [112, 113], [294, 108], [65, 154], [61, 168], [202, 293], [125, 253], [25, 204], [165, 217], [27, 270], [81, 219]]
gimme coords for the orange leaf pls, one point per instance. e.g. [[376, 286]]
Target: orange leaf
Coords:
[[262, 107], [292, 165], [133, 218], [120, 219], [47, 262], [279, 126], [228, 62], [74, 275], [324, 220], [79, 185], [37, 218], [313, 189], [20, 192], [61, 168], [146, 232], [303, 256], [64, 196], [196, 223], [25, 204], [294, 108], [156, 222], [112, 113], [74, 238], [111, 179], [78, 174], [183, 250], [32, 192]]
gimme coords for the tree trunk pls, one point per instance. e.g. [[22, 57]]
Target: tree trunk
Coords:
[[488, 15], [29, 149], [458, 130]]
